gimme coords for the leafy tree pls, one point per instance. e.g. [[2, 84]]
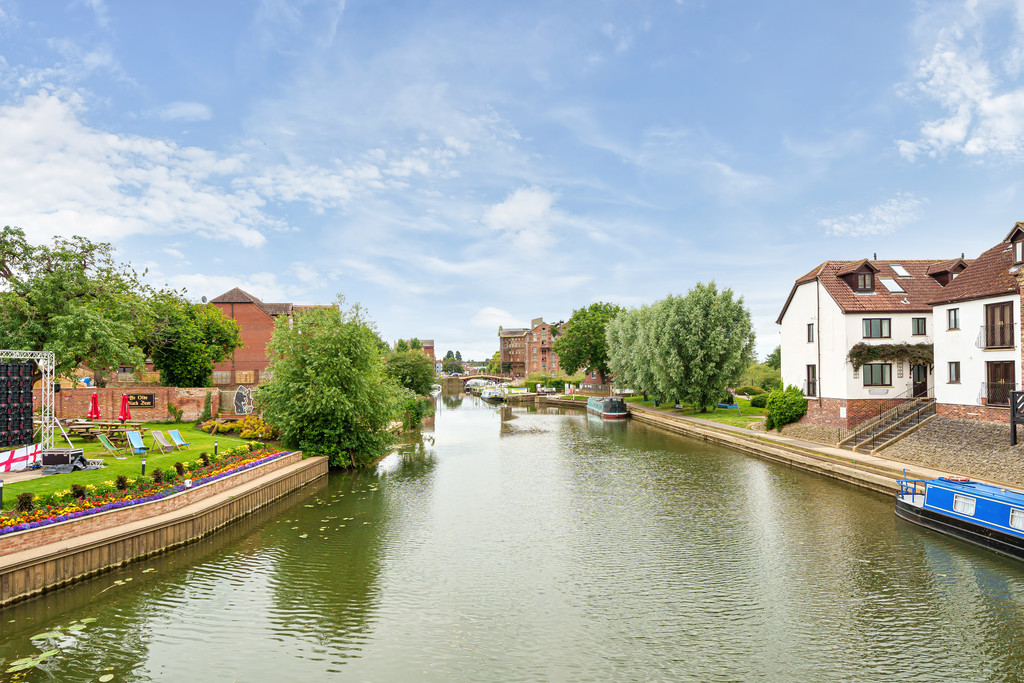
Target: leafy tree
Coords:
[[450, 355], [329, 394], [584, 343], [763, 375], [494, 363], [401, 346], [452, 365], [71, 298], [685, 348], [188, 339], [458, 355], [411, 369], [774, 359], [415, 344]]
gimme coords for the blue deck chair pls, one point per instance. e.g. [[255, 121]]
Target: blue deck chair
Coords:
[[178, 441], [135, 442]]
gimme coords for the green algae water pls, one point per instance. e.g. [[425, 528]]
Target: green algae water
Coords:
[[512, 544]]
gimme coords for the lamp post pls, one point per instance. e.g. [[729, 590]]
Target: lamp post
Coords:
[[215, 449], [1, 495], [143, 465]]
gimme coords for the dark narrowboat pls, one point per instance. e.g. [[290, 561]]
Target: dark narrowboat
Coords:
[[610, 408]]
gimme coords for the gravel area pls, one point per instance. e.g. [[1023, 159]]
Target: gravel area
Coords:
[[967, 447], [809, 432]]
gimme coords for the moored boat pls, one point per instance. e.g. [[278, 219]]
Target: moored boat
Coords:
[[492, 393], [983, 514], [610, 408]]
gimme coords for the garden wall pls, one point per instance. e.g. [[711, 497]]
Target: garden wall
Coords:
[[34, 571], [72, 403]]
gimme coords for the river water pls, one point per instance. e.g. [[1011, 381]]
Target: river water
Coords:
[[536, 545]]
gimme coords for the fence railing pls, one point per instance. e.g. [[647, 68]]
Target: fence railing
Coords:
[[996, 336], [996, 393], [889, 411]]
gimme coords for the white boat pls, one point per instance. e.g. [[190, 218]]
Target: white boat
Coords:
[[492, 393], [435, 389]]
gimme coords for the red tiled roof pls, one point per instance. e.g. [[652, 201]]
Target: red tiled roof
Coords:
[[988, 275], [240, 296], [945, 266], [920, 288], [236, 296]]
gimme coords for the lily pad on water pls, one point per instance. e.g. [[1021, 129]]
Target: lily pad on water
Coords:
[[48, 634]]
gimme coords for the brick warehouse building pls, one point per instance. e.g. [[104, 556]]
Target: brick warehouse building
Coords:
[[526, 350], [255, 318]]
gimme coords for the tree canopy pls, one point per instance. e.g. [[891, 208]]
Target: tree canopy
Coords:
[[415, 344], [188, 339], [687, 348], [411, 369], [74, 299], [330, 394], [774, 359], [583, 344], [401, 346]]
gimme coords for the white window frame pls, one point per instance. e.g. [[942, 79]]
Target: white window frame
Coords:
[[1017, 518], [964, 504]]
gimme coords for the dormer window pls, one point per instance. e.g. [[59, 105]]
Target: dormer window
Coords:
[[1018, 251], [865, 282]]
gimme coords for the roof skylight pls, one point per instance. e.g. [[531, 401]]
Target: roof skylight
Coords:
[[899, 270], [892, 285]]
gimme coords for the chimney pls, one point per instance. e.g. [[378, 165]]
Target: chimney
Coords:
[[874, 257]]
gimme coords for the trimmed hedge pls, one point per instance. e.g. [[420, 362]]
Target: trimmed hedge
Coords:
[[759, 401], [784, 407]]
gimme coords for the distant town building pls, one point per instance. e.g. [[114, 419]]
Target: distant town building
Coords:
[[255, 318], [526, 350]]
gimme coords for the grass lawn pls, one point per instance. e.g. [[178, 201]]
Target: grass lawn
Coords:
[[130, 467], [745, 417]]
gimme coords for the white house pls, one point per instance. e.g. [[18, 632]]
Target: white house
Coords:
[[843, 303], [977, 336]]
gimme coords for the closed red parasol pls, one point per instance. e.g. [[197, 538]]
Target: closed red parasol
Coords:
[[94, 407], [126, 411]]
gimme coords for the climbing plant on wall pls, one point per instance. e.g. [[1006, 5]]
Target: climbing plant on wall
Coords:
[[916, 354]]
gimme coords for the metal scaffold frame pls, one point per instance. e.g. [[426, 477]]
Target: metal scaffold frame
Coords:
[[46, 364]]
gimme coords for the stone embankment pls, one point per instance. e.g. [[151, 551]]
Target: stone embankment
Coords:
[[869, 471]]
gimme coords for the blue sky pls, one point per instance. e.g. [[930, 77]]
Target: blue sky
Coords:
[[456, 166]]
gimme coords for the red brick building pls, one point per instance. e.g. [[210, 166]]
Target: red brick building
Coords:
[[255, 318], [526, 350]]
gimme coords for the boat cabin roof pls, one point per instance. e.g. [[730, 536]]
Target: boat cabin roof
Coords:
[[980, 488]]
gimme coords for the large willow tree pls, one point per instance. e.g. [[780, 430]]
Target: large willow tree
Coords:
[[330, 394], [684, 348]]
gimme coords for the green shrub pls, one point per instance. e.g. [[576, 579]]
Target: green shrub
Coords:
[[750, 391], [24, 503], [759, 401], [531, 385], [207, 414], [784, 407]]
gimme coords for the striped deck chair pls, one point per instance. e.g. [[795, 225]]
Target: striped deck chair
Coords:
[[118, 452], [135, 442], [162, 443], [178, 441]]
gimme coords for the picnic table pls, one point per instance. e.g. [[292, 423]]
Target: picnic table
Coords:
[[112, 429]]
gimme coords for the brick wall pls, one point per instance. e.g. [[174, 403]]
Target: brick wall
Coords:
[[981, 413], [53, 533], [256, 329], [825, 411], [72, 403]]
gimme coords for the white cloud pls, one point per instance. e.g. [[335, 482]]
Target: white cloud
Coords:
[[184, 111], [60, 173], [973, 84], [524, 218], [882, 219], [490, 318], [173, 252]]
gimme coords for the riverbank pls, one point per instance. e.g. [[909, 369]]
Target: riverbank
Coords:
[[868, 471], [117, 537]]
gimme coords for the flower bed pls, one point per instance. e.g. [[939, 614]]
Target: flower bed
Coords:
[[107, 497]]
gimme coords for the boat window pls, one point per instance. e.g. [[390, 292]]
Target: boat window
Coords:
[[963, 504], [1017, 518]]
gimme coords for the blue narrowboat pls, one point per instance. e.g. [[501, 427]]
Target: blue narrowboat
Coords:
[[984, 514], [611, 408]]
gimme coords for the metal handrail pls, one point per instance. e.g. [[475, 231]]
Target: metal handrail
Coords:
[[996, 336], [887, 416]]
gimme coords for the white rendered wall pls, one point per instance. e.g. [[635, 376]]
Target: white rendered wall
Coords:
[[961, 345], [900, 329], [812, 304]]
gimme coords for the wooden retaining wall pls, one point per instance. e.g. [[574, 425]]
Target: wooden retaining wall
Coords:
[[36, 570]]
